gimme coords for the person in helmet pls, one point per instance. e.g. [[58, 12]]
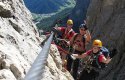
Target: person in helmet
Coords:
[[65, 34], [78, 43], [96, 61]]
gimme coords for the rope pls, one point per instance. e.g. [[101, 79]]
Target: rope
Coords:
[[37, 68]]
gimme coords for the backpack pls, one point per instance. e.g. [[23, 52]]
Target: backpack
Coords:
[[105, 52], [97, 66]]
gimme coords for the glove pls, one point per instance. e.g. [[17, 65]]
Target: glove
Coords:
[[54, 30], [74, 58]]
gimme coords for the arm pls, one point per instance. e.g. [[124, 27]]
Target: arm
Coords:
[[72, 40], [80, 56], [65, 41], [88, 36], [59, 28], [106, 61], [72, 34]]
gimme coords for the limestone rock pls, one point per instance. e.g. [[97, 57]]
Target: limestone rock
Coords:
[[6, 75], [5, 10], [54, 64], [19, 44]]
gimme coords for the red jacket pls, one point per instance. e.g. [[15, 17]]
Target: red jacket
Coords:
[[66, 34]]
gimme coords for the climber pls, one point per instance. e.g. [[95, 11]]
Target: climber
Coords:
[[95, 62], [78, 43], [64, 36], [67, 32]]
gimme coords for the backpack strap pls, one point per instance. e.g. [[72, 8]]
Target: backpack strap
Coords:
[[84, 41], [105, 51], [97, 59], [75, 36], [69, 32]]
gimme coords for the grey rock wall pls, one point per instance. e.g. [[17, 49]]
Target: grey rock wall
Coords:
[[106, 21]]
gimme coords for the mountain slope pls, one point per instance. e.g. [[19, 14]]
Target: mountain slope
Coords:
[[77, 14], [47, 6]]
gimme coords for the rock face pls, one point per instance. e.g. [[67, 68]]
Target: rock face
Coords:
[[54, 69], [78, 14], [19, 44], [106, 21]]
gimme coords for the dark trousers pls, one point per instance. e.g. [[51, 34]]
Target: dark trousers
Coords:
[[72, 66], [89, 76]]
